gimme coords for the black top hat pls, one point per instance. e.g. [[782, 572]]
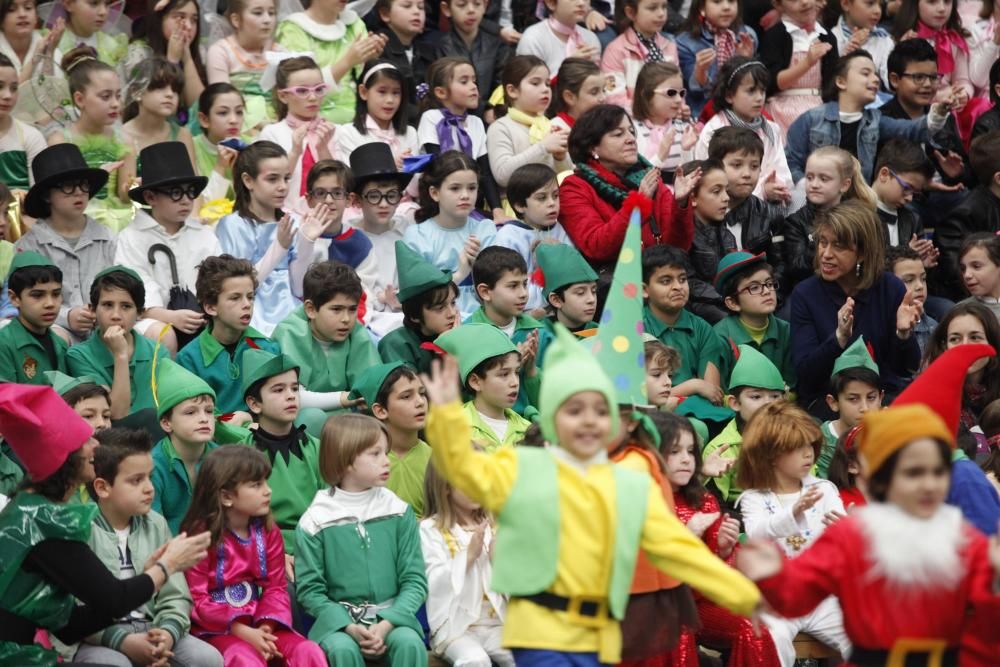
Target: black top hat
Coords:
[[164, 165], [374, 161], [56, 165]]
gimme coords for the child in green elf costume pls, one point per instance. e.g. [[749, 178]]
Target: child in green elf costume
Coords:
[[429, 300], [854, 390], [570, 287], [755, 382], [116, 354], [325, 339], [28, 346], [396, 397], [185, 406], [271, 392], [489, 365], [225, 289]]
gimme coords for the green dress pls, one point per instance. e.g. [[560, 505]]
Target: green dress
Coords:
[[28, 520], [111, 49], [105, 207]]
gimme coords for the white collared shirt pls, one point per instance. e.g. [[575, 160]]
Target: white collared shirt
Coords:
[[802, 40]]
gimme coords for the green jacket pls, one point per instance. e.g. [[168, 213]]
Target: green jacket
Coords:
[[527, 542], [92, 358], [23, 359], [209, 360], [170, 480], [325, 368], [365, 552], [776, 346], [483, 434], [170, 608], [726, 484], [403, 344]]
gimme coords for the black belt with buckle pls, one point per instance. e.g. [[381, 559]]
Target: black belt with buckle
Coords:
[[866, 657], [560, 603]]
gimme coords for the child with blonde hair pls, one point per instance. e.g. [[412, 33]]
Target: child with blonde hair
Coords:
[[465, 616], [359, 570]]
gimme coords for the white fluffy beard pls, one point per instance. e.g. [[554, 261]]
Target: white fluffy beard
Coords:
[[910, 552]]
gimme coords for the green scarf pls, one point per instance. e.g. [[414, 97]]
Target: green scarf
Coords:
[[609, 186]]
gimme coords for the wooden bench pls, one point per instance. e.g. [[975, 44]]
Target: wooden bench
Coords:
[[810, 648]]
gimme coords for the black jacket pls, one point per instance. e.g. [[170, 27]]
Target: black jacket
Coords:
[[423, 55], [775, 52], [947, 139], [760, 233], [988, 122], [980, 212], [907, 222], [798, 248], [488, 55]]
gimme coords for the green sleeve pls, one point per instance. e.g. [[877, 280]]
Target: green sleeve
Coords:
[[410, 574], [292, 37], [311, 588], [363, 355], [709, 348], [533, 388], [79, 363]]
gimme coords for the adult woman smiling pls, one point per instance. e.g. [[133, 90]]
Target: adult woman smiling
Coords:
[[609, 169], [46, 567], [851, 295]]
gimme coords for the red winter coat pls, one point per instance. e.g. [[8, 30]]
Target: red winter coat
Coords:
[[598, 229]]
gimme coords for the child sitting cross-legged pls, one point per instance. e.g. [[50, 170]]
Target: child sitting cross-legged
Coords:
[[28, 346], [225, 289], [464, 614], [750, 292], [396, 397], [854, 390], [755, 382], [359, 569], [785, 503], [429, 300], [271, 392], [490, 366], [116, 355], [569, 285], [325, 339], [241, 603], [126, 532]]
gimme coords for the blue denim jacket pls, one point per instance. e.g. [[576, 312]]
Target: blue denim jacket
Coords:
[[688, 47], [820, 126]]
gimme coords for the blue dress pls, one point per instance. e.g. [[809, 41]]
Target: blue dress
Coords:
[[442, 248], [250, 240]]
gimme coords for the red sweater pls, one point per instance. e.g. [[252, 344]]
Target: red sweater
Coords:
[[597, 229]]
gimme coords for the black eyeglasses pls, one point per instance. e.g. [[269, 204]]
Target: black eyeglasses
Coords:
[[337, 194], [755, 289], [69, 187], [375, 197], [179, 192], [920, 79]]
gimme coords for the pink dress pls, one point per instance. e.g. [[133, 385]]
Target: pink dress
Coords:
[[794, 101], [244, 580]]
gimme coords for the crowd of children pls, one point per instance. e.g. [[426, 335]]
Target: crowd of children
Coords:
[[305, 271]]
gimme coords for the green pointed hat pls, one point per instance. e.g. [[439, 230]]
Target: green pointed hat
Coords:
[[562, 265], [416, 275], [62, 383], [172, 384], [618, 346], [370, 382], [570, 368], [753, 369], [23, 260], [260, 364], [472, 344], [855, 356]]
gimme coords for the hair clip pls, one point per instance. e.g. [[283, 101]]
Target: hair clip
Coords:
[[422, 90]]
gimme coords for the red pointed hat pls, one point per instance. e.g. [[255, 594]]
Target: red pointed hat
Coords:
[[40, 427], [939, 387]]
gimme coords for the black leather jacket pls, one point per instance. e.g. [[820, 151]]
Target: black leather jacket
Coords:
[[762, 225], [980, 212]]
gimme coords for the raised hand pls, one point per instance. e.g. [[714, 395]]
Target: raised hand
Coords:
[[224, 159], [744, 45], [809, 497], [666, 143], [716, 465], [700, 522], [728, 537], [907, 316], [595, 21], [845, 322], [951, 163], [183, 552], [690, 136], [684, 184], [476, 545], [529, 353], [702, 61], [817, 50], [285, 232], [316, 221], [556, 140], [442, 383]]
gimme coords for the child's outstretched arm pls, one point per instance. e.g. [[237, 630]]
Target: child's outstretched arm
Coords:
[[486, 478]]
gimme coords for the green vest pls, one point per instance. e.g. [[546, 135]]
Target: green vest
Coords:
[[28, 520], [527, 542]]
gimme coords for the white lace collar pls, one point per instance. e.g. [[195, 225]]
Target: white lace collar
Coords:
[[327, 32]]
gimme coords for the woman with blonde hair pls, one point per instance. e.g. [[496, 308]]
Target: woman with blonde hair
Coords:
[[851, 295]]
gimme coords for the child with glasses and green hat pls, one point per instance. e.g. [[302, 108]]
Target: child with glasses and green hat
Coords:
[[116, 355], [429, 299], [570, 524], [490, 367], [750, 293], [271, 391], [28, 346], [396, 397], [755, 382]]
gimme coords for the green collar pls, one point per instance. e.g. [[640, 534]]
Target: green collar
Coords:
[[658, 327], [211, 348], [521, 322], [738, 333], [25, 338], [168, 448]]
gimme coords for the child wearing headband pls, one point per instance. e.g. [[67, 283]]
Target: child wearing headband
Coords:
[[380, 114]]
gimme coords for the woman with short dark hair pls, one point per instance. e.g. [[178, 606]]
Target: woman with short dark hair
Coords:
[[610, 179]]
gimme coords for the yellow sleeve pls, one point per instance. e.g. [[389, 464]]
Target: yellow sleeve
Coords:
[[635, 463], [486, 478], [675, 550]]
